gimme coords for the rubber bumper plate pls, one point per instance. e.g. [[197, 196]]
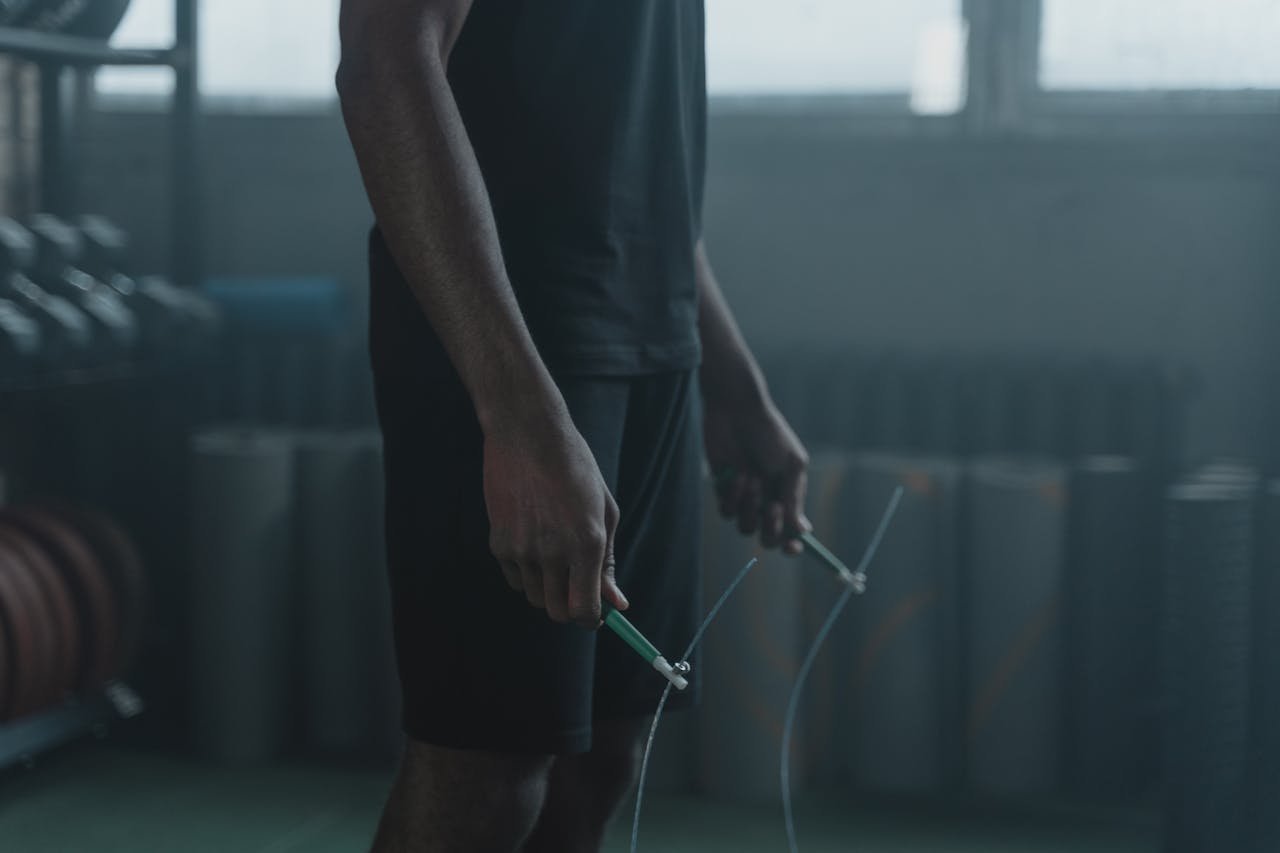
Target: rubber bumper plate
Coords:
[[95, 602], [122, 565], [59, 604], [21, 611]]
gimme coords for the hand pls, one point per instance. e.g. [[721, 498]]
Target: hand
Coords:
[[551, 518], [760, 468]]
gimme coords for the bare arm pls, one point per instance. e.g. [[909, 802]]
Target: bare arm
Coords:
[[427, 193], [745, 433], [551, 517]]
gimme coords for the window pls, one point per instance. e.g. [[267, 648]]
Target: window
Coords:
[[1160, 44], [912, 48], [250, 49]]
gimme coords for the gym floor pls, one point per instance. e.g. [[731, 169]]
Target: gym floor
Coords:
[[104, 799]]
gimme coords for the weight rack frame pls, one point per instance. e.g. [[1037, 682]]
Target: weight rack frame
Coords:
[[63, 62], [61, 59]]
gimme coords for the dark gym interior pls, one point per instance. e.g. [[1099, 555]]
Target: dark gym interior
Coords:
[[1017, 259]]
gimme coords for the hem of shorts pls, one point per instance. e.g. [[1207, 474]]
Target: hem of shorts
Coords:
[[623, 360], [574, 741]]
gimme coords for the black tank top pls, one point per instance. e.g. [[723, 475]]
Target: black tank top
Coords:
[[589, 121]]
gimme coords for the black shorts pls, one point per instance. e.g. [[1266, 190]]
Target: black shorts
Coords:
[[479, 667]]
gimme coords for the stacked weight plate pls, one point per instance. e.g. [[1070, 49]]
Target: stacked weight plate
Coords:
[[1112, 626], [1014, 576], [1209, 563], [71, 605]]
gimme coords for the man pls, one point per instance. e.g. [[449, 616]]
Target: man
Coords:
[[550, 352]]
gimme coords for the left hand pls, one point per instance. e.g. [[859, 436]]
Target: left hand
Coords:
[[760, 468]]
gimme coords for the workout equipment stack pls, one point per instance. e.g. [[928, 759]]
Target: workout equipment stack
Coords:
[[73, 596], [290, 629], [68, 306], [1057, 611]]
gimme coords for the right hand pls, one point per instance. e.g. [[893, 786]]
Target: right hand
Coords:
[[551, 519]]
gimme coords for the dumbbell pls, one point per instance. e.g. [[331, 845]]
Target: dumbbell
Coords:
[[68, 334], [173, 319], [59, 248], [20, 341], [89, 18]]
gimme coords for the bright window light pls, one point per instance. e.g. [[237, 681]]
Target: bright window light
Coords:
[[815, 47], [250, 49], [1160, 44]]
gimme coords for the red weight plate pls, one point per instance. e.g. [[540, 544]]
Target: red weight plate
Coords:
[[122, 563], [44, 674], [24, 640], [6, 667], [95, 602], [60, 603]]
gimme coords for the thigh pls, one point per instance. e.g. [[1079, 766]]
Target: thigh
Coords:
[[659, 495], [479, 667]]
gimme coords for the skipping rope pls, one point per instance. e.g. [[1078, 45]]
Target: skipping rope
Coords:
[[802, 675]]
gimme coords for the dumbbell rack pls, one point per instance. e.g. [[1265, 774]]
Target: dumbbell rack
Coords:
[[57, 56], [60, 60]]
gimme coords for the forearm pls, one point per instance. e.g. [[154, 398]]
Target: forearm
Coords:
[[728, 368], [428, 195]]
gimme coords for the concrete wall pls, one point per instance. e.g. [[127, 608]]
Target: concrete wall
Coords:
[[1119, 246]]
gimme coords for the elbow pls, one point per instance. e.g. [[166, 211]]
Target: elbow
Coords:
[[352, 78], [377, 44], [362, 71]]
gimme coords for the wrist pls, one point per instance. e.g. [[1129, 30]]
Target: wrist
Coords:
[[734, 382], [517, 400]]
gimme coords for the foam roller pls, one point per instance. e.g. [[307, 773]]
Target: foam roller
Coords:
[[1112, 626], [1209, 562], [341, 584], [1016, 528], [1266, 644], [241, 562], [898, 668]]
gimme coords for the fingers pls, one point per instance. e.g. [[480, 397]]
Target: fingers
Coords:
[[531, 579], [591, 573], [511, 572], [794, 489], [771, 524], [584, 592], [568, 576], [731, 490], [608, 580], [555, 593], [750, 506]]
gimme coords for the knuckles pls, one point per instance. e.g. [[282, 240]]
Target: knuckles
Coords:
[[586, 615]]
